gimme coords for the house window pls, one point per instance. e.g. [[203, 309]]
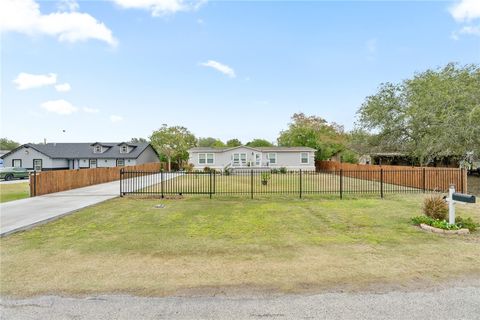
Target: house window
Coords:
[[98, 149], [239, 158], [17, 163], [272, 158], [205, 158], [304, 157], [120, 162], [124, 149], [93, 163], [37, 164]]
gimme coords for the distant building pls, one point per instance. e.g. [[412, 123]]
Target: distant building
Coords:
[[57, 156]]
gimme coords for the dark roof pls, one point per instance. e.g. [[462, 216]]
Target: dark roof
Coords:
[[261, 149], [85, 150]]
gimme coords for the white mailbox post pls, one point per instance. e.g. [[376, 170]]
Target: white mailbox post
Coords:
[[451, 205], [454, 197]]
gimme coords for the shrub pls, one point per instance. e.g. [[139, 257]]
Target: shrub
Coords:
[[274, 171], [282, 170], [435, 207], [467, 223], [266, 176], [188, 167], [207, 169], [227, 171]]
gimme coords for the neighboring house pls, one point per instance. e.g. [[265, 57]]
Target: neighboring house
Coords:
[[57, 156], [292, 158]]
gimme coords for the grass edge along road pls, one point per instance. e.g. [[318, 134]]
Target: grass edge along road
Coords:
[[14, 191], [275, 244]]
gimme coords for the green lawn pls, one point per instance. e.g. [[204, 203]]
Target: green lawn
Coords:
[[14, 191], [311, 183], [198, 245]]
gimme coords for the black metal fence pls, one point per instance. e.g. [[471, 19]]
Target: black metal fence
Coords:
[[299, 183]]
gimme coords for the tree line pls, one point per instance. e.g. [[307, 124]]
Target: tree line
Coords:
[[432, 115]]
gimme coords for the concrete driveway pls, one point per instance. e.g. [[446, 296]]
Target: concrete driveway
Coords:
[[26, 213], [14, 181]]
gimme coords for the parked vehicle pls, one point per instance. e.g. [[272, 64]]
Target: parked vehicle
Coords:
[[474, 168], [9, 173]]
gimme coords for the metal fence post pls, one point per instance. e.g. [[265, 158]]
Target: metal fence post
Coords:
[[381, 183], [424, 179], [210, 185], [300, 183], [341, 183], [161, 183], [251, 183], [121, 176]]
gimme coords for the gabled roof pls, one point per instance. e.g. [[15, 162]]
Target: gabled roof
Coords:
[[84, 150], [258, 149]]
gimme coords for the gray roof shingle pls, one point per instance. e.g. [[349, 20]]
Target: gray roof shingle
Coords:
[[262, 149]]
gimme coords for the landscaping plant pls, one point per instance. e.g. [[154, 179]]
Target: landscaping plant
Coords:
[[435, 207]]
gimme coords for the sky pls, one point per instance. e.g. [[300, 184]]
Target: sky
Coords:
[[113, 70]]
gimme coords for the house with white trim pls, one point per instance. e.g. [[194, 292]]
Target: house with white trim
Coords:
[[58, 156], [243, 157]]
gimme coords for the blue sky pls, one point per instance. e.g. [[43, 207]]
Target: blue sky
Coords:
[[227, 69]]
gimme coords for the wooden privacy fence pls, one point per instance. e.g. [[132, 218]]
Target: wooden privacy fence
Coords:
[[425, 178], [46, 182]]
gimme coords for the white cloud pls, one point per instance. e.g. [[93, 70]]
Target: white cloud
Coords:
[[27, 81], [90, 110], [161, 7], [24, 16], [223, 68], [59, 106], [64, 87], [115, 118], [68, 5], [465, 10], [474, 30]]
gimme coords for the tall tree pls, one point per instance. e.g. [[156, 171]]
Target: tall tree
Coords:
[[210, 142], [173, 143], [7, 144], [138, 140], [314, 132], [434, 114], [259, 143], [234, 143]]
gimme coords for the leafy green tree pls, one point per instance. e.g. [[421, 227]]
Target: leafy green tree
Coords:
[[210, 142], [259, 143], [7, 144], [433, 115], [234, 143], [314, 132], [138, 140], [173, 143]]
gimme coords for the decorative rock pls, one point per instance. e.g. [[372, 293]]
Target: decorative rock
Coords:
[[426, 227], [160, 206]]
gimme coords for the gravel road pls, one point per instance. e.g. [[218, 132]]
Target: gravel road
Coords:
[[444, 303]]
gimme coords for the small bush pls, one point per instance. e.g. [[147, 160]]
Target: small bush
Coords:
[[467, 223], [460, 223], [266, 176], [274, 171], [188, 167], [435, 207], [227, 171], [282, 170]]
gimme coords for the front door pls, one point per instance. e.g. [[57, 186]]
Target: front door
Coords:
[[93, 163], [258, 159]]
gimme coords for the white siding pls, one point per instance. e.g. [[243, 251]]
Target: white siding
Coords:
[[27, 155], [288, 159]]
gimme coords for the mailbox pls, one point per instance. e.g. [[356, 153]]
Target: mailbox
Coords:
[[461, 197]]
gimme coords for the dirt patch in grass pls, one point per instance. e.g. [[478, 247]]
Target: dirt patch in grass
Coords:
[[197, 245]]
